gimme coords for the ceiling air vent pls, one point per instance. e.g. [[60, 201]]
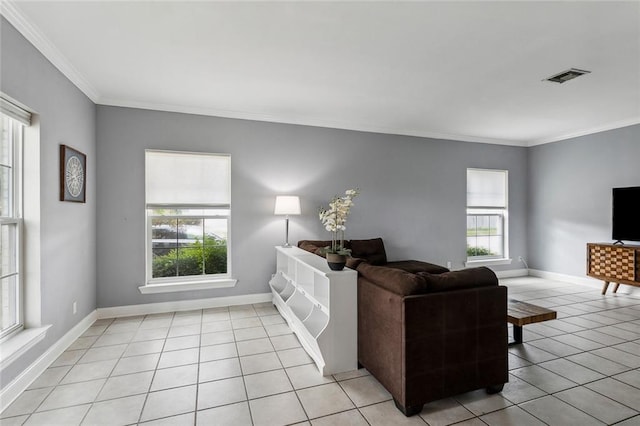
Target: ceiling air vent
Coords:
[[565, 76]]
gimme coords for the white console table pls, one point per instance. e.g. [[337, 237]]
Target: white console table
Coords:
[[320, 307]]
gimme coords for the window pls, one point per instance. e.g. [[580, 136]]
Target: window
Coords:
[[20, 322], [188, 206], [10, 225], [486, 214]]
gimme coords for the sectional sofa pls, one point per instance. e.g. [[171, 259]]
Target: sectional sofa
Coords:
[[425, 332]]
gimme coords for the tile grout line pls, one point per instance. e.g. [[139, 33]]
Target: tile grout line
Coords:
[[594, 302]]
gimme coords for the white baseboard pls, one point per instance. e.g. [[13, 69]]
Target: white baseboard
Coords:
[[592, 282], [182, 305], [10, 392], [512, 273]]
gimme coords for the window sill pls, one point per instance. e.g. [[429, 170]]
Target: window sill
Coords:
[[487, 262], [16, 346], [187, 286]]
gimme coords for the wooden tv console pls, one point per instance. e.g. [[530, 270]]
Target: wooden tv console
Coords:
[[614, 263]]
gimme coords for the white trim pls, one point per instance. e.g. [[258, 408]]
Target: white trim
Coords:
[[31, 217], [592, 282], [11, 391], [487, 262], [18, 19], [182, 305], [585, 132], [304, 121], [512, 273], [187, 286], [17, 345], [14, 111]]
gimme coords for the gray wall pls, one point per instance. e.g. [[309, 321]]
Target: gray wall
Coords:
[[413, 192], [569, 199], [67, 230]]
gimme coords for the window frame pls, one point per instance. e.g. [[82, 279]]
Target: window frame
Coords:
[[16, 219], [502, 211], [184, 278], [188, 282]]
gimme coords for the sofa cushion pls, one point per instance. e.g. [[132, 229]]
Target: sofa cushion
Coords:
[[415, 266], [372, 250], [354, 262], [394, 280], [314, 246], [457, 280]]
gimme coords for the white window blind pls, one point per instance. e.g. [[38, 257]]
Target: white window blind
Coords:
[[11, 110], [486, 188], [186, 179]]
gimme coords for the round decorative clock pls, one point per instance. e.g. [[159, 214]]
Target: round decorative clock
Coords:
[[73, 174]]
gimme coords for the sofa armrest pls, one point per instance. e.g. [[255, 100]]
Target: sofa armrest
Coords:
[[380, 348], [455, 341]]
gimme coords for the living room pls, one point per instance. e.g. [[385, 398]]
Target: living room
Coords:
[[87, 260]]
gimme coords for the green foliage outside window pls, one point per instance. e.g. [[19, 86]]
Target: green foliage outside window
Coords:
[[481, 231], [479, 251], [194, 259]]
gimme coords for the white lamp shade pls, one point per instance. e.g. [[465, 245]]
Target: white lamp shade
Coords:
[[287, 204]]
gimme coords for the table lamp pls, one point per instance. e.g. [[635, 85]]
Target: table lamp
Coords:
[[287, 205]]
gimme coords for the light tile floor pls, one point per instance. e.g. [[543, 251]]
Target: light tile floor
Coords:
[[242, 366]]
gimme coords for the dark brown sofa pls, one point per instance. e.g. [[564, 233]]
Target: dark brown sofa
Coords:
[[373, 252], [427, 334]]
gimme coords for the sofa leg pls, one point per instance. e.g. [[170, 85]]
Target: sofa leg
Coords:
[[408, 411], [495, 388]]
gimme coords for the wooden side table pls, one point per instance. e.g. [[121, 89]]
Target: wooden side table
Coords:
[[522, 313]]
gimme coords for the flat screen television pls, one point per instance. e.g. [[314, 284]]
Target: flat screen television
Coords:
[[626, 215]]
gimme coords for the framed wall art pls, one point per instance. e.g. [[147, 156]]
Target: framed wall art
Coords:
[[73, 174]]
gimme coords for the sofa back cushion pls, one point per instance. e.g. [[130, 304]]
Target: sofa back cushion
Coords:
[[457, 280], [409, 284], [372, 250], [314, 246], [395, 280], [415, 266]]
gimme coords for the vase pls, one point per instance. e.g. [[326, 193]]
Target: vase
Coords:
[[336, 262]]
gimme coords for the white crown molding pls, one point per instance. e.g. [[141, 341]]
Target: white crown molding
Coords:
[[313, 122], [10, 10], [14, 15], [585, 132], [307, 121]]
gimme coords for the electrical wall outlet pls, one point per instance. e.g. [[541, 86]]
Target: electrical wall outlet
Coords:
[[448, 264], [520, 258], [75, 308]]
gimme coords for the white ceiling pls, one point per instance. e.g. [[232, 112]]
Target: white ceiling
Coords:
[[455, 70]]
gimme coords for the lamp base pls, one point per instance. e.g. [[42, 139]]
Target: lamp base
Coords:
[[286, 245]]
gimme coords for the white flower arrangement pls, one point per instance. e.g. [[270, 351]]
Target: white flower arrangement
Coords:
[[334, 218]]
